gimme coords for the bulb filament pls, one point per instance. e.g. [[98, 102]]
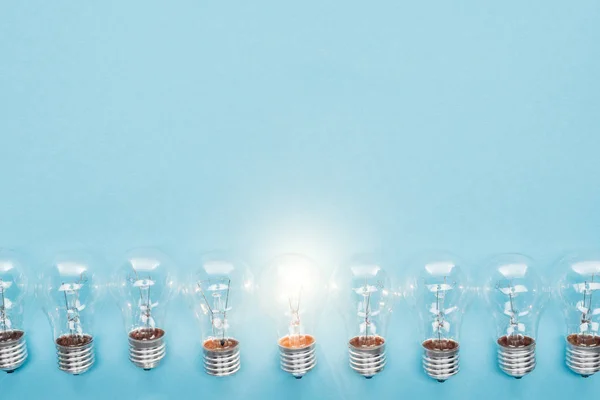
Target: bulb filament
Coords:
[[513, 337], [367, 307], [514, 314], [295, 337], [218, 324], [440, 310], [587, 306], [72, 305], [3, 316], [147, 305], [145, 301]]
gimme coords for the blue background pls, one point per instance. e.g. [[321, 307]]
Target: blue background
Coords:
[[323, 127]]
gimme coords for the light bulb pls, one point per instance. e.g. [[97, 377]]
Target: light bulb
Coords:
[[68, 292], [440, 296], [515, 296], [218, 291], [142, 287], [13, 290], [361, 291], [292, 292], [579, 290]]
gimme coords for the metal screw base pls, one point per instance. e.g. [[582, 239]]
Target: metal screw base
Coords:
[[517, 361], [222, 362], [440, 364], [367, 361], [583, 360], [147, 354], [13, 353], [75, 360], [298, 361]]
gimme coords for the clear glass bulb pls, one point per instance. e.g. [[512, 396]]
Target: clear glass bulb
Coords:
[[516, 297], [68, 291], [361, 291], [578, 289], [219, 291], [142, 286], [440, 296], [13, 293], [293, 293]]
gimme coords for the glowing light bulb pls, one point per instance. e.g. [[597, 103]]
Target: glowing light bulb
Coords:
[[68, 292], [579, 290], [218, 291], [361, 291], [516, 297], [13, 290], [142, 287], [292, 292], [440, 296]]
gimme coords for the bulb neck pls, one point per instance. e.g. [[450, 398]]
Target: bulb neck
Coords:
[[13, 350], [440, 358], [75, 353], [221, 358], [367, 355], [147, 347], [516, 361], [298, 360], [583, 358]]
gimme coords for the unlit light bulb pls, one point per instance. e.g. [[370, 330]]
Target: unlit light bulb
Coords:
[[579, 290], [516, 297], [218, 291], [143, 286], [362, 293], [440, 295], [13, 290], [293, 293], [68, 292]]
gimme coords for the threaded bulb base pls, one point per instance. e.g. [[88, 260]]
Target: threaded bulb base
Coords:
[[516, 357], [440, 358], [221, 357], [367, 355], [297, 360], [147, 347], [583, 356], [13, 350], [75, 353]]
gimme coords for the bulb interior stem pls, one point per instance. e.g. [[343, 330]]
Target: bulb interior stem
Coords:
[[3, 307]]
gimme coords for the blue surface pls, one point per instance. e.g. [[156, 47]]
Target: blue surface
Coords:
[[326, 128]]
